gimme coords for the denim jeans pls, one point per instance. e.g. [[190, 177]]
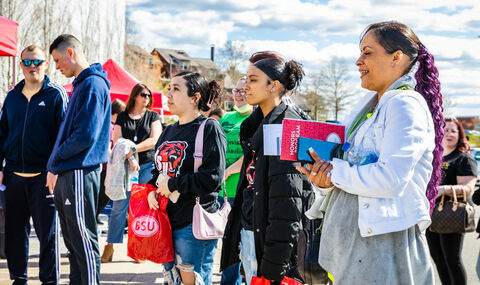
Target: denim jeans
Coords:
[[230, 275], [118, 215], [192, 251], [247, 254]]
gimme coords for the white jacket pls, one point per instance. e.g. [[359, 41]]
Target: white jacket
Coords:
[[118, 176], [392, 191]]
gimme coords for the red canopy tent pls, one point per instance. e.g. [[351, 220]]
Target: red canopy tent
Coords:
[[122, 83], [8, 37], [8, 40]]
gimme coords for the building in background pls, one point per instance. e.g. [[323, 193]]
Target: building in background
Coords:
[[145, 67], [173, 61]]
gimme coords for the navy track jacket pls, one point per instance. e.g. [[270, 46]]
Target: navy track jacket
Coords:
[[84, 135], [28, 129]]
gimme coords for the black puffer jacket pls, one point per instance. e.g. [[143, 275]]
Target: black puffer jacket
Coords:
[[277, 209]]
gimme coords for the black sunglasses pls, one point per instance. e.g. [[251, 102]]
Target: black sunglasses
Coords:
[[145, 95], [28, 62]]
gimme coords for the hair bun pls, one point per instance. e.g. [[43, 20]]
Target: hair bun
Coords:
[[293, 74]]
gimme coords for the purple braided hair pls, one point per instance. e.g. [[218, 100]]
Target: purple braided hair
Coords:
[[429, 86], [395, 36]]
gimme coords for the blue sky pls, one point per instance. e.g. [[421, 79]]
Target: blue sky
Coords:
[[315, 31]]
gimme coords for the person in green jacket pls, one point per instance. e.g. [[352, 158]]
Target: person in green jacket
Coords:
[[230, 123]]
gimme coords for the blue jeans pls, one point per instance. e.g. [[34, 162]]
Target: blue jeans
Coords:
[[118, 215], [192, 251], [230, 275], [247, 254]]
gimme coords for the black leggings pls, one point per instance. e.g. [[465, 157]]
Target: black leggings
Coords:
[[446, 252]]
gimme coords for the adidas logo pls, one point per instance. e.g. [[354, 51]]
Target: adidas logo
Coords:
[[41, 104], [67, 202]]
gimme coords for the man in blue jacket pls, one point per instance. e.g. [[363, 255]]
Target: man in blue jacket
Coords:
[[80, 149], [31, 117]]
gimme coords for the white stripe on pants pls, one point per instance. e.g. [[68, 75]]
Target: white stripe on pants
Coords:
[[87, 245]]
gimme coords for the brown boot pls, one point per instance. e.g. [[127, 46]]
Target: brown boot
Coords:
[[107, 255]]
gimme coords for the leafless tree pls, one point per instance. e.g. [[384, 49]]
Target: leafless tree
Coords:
[[100, 25], [315, 104], [232, 55], [331, 85]]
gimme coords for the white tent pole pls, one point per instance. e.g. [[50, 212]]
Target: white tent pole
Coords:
[[14, 71], [162, 114]]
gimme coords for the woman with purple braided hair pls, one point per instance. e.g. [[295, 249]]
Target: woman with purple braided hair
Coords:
[[379, 196]]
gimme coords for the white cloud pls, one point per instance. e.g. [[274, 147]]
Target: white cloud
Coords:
[[136, 2], [451, 47], [313, 33], [193, 29]]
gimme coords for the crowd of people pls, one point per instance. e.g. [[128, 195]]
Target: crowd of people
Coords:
[[374, 199]]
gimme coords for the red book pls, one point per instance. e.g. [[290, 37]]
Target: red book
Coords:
[[293, 129]]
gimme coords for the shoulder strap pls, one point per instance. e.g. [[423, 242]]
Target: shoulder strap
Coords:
[[198, 153]]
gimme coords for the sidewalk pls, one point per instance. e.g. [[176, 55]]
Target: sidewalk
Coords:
[[121, 271]]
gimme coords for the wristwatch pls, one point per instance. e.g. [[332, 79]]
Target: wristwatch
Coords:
[[133, 149]]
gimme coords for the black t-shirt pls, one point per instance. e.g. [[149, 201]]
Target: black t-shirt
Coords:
[[174, 151], [247, 205], [256, 145], [138, 131], [456, 164]]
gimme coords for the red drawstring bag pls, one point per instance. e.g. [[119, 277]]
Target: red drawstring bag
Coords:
[[264, 281], [149, 231], [290, 281], [260, 281]]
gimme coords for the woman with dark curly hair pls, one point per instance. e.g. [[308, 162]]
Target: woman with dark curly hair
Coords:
[[380, 194], [459, 174], [189, 93]]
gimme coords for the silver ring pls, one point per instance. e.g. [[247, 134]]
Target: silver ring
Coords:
[[313, 173]]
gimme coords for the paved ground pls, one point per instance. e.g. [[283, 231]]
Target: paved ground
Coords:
[[123, 271]]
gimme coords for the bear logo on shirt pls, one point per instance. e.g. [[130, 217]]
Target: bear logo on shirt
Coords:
[[169, 157]]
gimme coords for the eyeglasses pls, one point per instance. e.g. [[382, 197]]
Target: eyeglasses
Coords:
[[145, 95], [36, 62], [238, 91]]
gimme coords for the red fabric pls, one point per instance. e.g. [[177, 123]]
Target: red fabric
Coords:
[[264, 281], [8, 37], [122, 83], [289, 281], [260, 281], [149, 231]]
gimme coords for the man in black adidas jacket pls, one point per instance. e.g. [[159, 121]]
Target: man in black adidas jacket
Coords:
[[31, 117]]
